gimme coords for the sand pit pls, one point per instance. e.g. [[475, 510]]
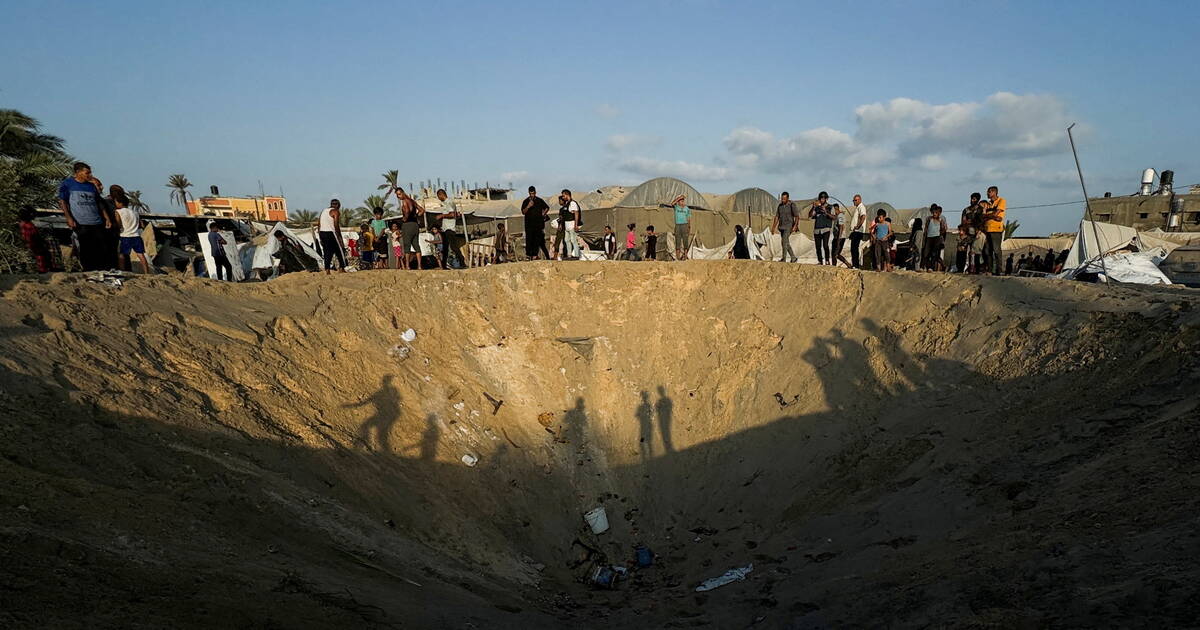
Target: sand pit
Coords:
[[885, 449]]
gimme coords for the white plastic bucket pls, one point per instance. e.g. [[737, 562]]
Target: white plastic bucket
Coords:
[[597, 519]]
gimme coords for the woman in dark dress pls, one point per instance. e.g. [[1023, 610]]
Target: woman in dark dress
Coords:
[[740, 251]]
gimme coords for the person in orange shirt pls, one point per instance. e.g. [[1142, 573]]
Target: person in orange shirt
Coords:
[[993, 228]]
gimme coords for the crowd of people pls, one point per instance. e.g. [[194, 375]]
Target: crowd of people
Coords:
[[873, 240], [106, 234]]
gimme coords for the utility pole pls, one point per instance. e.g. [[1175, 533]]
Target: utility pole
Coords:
[[1087, 204]]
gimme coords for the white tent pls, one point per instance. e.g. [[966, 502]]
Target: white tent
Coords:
[[1129, 256], [231, 252], [262, 256], [766, 246]]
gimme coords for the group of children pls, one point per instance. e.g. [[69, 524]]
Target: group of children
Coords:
[[649, 242], [376, 239]]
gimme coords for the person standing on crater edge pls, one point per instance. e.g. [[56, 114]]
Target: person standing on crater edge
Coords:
[[860, 229], [329, 232], [785, 224], [822, 225], [683, 227], [79, 200], [535, 210], [993, 229], [410, 229]]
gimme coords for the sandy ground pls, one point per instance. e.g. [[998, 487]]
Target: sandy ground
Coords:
[[886, 449]]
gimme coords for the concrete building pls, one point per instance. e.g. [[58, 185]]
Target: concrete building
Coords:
[[258, 209], [1147, 212]]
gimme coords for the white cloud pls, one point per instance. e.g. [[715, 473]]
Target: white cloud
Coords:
[[932, 162], [607, 111], [820, 148], [687, 171], [1027, 171], [908, 132], [1004, 125], [513, 176], [622, 141]]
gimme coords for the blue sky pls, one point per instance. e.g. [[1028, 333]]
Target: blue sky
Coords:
[[910, 103]]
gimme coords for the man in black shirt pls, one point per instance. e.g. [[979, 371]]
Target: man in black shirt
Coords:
[[535, 211]]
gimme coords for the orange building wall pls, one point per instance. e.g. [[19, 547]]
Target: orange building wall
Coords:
[[265, 209]]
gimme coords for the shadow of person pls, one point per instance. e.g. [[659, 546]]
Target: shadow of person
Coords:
[[844, 368], [429, 439], [575, 421], [645, 418], [387, 411], [663, 407]]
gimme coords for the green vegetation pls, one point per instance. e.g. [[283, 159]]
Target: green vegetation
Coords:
[[32, 164], [179, 184]]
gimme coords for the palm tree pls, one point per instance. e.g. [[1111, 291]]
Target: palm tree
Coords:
[[21, 136], [179, 184], [353, 216], [304, 217], [32, 164], [1009, 228], [390, 182], [377, 201], [135, 201]]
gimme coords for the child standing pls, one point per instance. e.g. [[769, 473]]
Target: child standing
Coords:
[[631, 243], [366, 245], [881, 231], [129, 222], [651, 243], [397, 242], [33, 239]]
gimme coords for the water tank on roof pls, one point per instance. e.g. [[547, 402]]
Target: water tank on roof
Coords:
[[1147, 181], [1165, 181]]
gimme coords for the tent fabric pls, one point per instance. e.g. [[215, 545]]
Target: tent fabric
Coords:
[[764, 245], [757, 200], [1040, 244], [1129, 267], [1095, 239], [661, 190], [260, 253], [231, 252]]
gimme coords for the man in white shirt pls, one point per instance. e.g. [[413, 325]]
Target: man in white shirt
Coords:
[[449, 217], [569, 216], [859, 230]]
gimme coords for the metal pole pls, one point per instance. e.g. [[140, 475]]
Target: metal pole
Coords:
[[1086, 203]]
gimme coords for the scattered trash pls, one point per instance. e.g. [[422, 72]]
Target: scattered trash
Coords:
[[783, 403], [644, 556], [112, 278], [495, 403], [597, 519], [603, 576], [732, 575], [510, 440], [408, 336], [470, 460], [581, 345], [399, 351]]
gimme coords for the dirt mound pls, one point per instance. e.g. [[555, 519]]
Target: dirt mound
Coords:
[[885, 449]]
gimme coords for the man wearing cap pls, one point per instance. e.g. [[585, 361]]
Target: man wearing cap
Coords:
[[993, 229], [683, 226]]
